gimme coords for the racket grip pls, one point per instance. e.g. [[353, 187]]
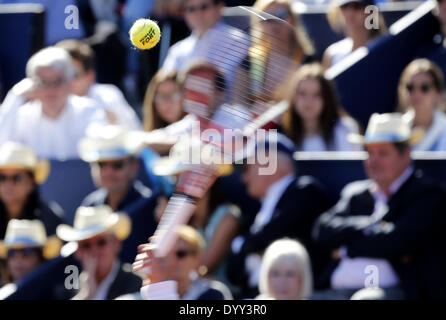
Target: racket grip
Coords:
[[179, 210]]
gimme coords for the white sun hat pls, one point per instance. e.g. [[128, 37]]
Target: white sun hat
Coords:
[[92, 221], [387, 127], [22, 233], [109, 142], [15, 155]]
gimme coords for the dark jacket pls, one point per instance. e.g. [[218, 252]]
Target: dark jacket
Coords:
[[125, 282], [294, 215], [409, 235], [139, 204]]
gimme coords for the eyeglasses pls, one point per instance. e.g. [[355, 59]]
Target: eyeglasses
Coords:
[[15, 178], [202, 7], [51, 84], [424, 87], [181, 254], [159, 98], [24, 251], [281, 13], [115, 165], [87, 245], [353, 5]]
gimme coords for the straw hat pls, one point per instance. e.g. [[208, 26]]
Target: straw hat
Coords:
[[29, 234], [183, 154], [18, 156], [109, 142], [388, 127], [92, 221]]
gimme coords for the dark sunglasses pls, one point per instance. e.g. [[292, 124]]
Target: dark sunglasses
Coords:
[[116, 165], [202, 7], [181, 254], [24, 251], [51, 84], [424, 87], [353, 5], [87, 245], [281, 13], [15, 178]]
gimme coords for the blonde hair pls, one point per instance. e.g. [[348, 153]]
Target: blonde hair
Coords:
[[291, 249], [192, 237]]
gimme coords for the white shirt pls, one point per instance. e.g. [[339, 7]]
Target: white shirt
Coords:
[[351, 272], [435, 136], [222, 45], [56, 138], [339, 50], [104, 287], [112, 99], [342, 129], [266, 211]]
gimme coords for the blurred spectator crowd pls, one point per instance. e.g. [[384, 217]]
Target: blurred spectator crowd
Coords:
[[90, 97]]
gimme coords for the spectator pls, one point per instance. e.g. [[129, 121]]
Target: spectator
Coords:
[[107, 95], [393, 221], [349, 17], [20, 175], [112, 152], [290, 205], [176, 276], [210, 39], [25, 248], [162, 102], [278, 48], [99, 232], [54, 121], [420, 89], [285, 273], [314, 120]]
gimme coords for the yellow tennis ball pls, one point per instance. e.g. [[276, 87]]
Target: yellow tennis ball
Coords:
[[145, 33]]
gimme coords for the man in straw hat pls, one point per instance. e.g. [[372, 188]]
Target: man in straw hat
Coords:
[[385, 232], [112, 153], [99, 232], [25, 248]]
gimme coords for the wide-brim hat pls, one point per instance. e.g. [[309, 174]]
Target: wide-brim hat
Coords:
[[22, 233], [109, 142], [14, 155], [92, 221], [365, 2], [388, 127]]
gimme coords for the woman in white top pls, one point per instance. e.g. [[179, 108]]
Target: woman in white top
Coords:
[[420, 91], [349, 17], [314, 120]]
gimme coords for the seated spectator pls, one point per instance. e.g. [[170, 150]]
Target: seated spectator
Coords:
[[99, 232], [285, 273], [25, 248], [211, 39], [20, 175], [349, 17], [107, 95], [278, 48], [162, 103], [290, 205], [112, 152], [420, 89], [393, 223], [315, 121], [177, 275], [54, 121]]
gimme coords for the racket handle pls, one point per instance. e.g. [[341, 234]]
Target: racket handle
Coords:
[[179, 210]]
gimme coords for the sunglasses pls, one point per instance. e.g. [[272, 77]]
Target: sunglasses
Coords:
[[181, 254], [15, 178], [281, 13], [115, 165], [202, 7], [353, 5], [87, 245], [160, 98], [424, 87], [24, 251], [51, 84]]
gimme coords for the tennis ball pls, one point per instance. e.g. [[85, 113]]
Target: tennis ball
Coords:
[[145, 33]]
